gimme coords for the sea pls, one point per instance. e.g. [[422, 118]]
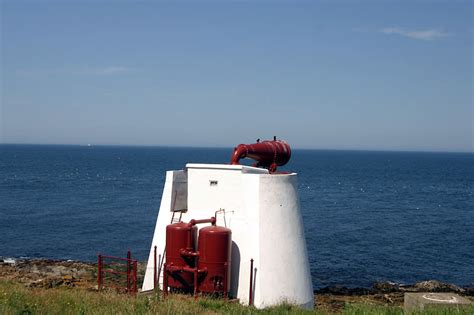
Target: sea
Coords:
[[368, 216]]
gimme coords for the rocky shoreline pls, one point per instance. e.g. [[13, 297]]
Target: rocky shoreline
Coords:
[[46, 273], [384, 287]]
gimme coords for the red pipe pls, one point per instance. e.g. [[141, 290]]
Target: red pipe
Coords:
[[185, 268], [193, 222]]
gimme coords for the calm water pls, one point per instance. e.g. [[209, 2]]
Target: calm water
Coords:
[[368, 215]]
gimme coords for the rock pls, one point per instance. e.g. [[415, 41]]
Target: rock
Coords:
[[435, 286], [386, 287], [34, 269], [54, 283], [341, 290], [46, 273], [8, 261], [468, 291], [422, 286], [35, 284]]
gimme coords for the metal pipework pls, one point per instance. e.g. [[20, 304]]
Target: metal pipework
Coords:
[[187, 264], [269, 154], [193, 222]]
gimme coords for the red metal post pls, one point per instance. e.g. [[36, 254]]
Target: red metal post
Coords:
[[99, 272], [154, 271], [251, 283], [135, 290], [129, 256]]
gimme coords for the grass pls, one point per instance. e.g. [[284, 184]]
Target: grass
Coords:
[[364, 309], [16, 299]]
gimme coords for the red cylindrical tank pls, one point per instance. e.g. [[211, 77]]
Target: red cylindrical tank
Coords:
[[214, 246], [180, 236], [268, 154]]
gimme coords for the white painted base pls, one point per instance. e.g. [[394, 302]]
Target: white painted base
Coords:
[[263, 212]]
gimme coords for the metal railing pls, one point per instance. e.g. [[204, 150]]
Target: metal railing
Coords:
[[111, 272]]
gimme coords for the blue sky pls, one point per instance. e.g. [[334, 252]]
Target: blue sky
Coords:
[[378, 75]]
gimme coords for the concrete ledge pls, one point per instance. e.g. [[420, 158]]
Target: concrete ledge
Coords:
[[428, 301]]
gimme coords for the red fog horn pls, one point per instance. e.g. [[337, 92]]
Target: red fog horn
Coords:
[[269, 153]]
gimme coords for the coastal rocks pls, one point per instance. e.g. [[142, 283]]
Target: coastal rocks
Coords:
[[422, 286], [54, 268], [341, 290], [469, 291], [42, 273], [436, 286], [384, 287], [9, 261], [49, 283]]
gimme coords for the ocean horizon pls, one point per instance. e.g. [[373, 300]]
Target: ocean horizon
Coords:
[[231, 147]]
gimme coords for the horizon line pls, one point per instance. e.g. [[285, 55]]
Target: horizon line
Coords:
[[230, 147]]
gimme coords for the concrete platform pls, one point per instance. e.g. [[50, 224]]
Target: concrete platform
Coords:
[[425, 300]]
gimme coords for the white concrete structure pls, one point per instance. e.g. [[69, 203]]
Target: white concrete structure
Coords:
[[426, 301], [263, 212]]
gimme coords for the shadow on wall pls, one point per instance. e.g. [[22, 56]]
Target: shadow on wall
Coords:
[[235, 269], [253, 284]]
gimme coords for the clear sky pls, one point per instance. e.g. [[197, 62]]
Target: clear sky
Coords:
[[383, 75]]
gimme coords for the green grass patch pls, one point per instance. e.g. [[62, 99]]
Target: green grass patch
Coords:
[[366, 309], [17, 299]]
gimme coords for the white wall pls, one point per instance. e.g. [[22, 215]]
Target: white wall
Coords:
[[263, 212], [284, 265], [173, 183]]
